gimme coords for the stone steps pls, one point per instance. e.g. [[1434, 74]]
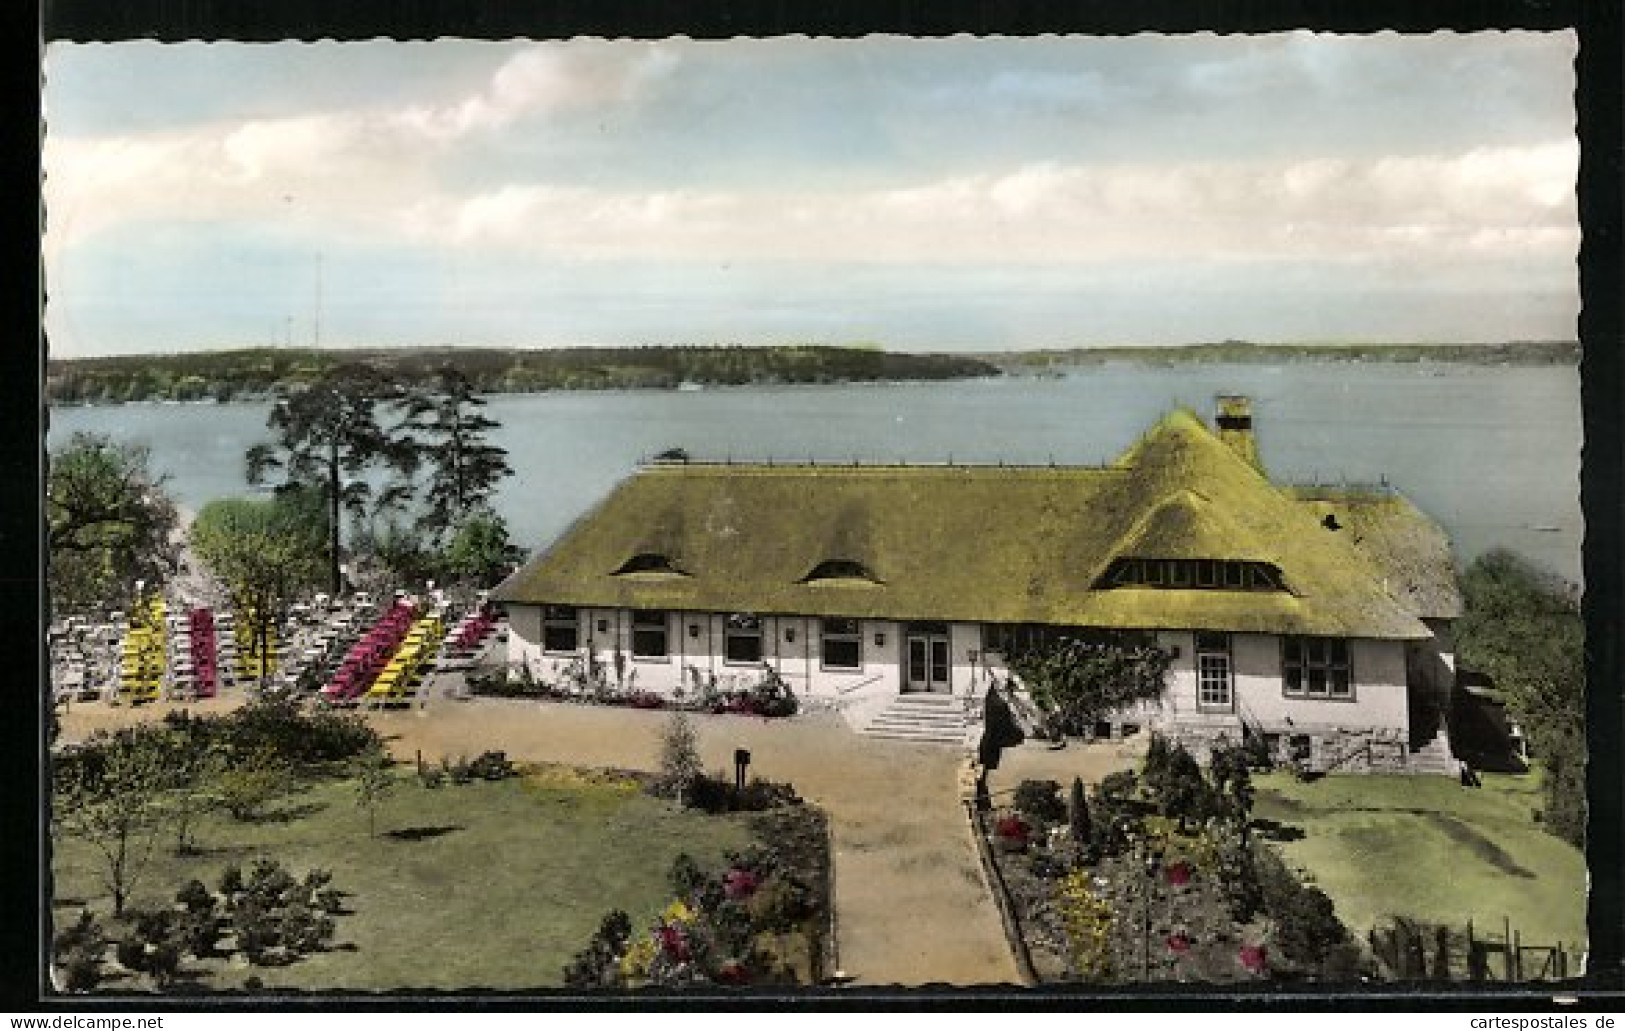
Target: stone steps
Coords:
[[920, 718], [1433, 757]]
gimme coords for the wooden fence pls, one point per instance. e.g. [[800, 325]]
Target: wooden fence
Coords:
[[1409, 950]]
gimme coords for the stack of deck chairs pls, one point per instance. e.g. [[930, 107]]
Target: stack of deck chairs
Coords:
[[251, 665], [415, 653], [368, 657], [141, 665], [195, 671], [472, 631]]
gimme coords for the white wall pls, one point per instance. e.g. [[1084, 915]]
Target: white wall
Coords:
[[1379, 667], [1379, 698], [798, 661]]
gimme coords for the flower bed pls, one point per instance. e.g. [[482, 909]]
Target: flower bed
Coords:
[[761, 920], [769, 697], [1158, 880]]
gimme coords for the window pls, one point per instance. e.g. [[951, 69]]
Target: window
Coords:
[[840, 569], [1316, 667], [560, 628], [742, 641], [1203, 574], [1213, 671], [648, 562], [649, 635], [843, 644]]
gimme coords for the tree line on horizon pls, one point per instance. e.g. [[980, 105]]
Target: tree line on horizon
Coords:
[[265, 371]]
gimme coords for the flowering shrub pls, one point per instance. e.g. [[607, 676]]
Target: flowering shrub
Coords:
[[1012, 833], [1254, 959], [635, 964], [1012, 827], [733, 972], [1179, 943], [740, 884], [645, 700], [1178, 873], [1087, 921]]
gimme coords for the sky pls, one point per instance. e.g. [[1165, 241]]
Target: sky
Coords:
[[954, 194]]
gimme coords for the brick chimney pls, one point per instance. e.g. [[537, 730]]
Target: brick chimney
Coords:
[[1234, 417]]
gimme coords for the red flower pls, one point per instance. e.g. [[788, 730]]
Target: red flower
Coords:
[[733, 972], [1178, 943], [1254, 958], [1178, 873], [673, 942], [740, 884], [1013, 827]]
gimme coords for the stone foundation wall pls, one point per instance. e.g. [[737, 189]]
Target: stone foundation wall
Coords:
[[1342, 749], [1345, 749]]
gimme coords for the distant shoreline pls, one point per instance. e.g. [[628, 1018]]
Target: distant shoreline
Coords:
[[260, 374]]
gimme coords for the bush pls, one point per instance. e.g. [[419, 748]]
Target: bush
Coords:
[[1077, 811], [771, 696], [1040, 800], [280, 727], [761, 795], [598, 965], [275, 918], [78, 950], [686, 877], [778, 905], [1011, 833], [491, 766], [1087, 921], [1178, 786], [1307, 928], [246, 788]]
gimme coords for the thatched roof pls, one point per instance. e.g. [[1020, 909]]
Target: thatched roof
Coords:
[[1410, 552], [978, 544]]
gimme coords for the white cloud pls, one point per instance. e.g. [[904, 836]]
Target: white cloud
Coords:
[[1478, 205], [550, 78]]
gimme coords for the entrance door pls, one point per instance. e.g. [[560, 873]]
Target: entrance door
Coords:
[[1214, 691], [925, 649]]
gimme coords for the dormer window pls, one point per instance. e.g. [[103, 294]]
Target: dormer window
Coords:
[[649, 562], [1200, 574], [840, 569]]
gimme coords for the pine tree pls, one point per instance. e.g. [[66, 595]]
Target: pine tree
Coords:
[[328, 436], [449, 432]]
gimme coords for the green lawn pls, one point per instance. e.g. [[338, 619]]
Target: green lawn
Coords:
[[496, 884], [1428, 848]]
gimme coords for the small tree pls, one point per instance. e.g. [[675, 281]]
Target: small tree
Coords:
[[1179, 788], [111, 795], [1232, 783], [245, 788], [680, 765], [374, 780], [1078, 814]]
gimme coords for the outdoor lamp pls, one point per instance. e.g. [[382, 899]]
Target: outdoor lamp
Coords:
[[790, 635]]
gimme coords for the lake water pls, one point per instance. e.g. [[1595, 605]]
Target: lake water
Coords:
[[1492, 453]]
